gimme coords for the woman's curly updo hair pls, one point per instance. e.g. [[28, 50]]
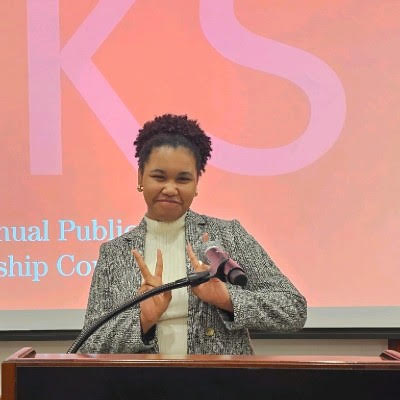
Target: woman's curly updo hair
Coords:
[[173, 131]]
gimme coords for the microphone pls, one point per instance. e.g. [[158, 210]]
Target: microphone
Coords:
[[221, 265]]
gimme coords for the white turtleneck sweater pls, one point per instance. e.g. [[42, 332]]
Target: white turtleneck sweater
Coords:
[[169, 237]]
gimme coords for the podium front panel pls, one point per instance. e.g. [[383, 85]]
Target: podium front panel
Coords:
[[62, 383]]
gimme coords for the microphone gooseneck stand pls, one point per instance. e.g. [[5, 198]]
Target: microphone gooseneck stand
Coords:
[[193, 279]]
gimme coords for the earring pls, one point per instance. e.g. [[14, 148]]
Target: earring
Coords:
[[139, 188]]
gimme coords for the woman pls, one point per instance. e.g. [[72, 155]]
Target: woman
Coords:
[[212, 318]]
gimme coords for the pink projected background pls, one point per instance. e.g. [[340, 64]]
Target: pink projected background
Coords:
[[301, 99]]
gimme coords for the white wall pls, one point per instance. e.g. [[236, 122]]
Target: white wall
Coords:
[[362, 347]]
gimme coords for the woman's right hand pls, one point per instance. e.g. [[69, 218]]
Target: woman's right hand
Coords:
[[152, 308]]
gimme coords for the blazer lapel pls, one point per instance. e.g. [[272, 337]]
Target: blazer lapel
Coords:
[[136, 237]]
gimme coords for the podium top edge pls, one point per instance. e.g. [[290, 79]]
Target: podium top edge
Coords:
[[28, 357]]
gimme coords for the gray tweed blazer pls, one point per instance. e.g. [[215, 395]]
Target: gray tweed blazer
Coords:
[[268, 302]]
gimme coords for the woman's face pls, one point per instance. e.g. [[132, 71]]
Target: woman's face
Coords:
[[169, 180]]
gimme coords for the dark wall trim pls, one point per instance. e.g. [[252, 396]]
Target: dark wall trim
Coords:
[[47, 335], [332, 333], [306, 333]]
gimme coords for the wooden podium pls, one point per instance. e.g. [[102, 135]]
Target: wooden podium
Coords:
[[27, 375]]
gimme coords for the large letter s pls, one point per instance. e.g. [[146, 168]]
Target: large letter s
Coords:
[[313, 76]]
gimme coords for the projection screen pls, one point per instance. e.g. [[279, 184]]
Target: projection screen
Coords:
[[301, 100]]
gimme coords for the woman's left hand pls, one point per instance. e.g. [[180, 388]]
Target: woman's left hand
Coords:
[[214, 291]]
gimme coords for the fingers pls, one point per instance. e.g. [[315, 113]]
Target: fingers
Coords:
[[196, 264], [142, 266], [148, 278], [144, 289], [205, 237], [159, 265], [193, 259]]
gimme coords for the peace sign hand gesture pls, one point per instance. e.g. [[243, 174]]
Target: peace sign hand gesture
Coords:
[[152, 308], [214, 291]]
